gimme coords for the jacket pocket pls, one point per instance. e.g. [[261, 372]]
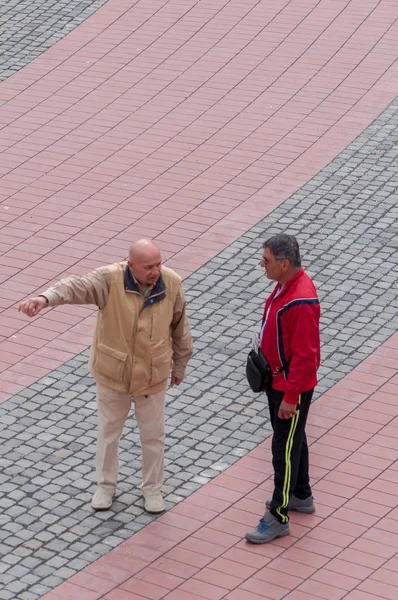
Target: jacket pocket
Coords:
[[110, 362], [161, 365]]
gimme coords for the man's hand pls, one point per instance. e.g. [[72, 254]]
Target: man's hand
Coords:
[[32, 306], [175, 380], [287, 411]]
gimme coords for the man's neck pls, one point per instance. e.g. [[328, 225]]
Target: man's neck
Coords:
[[143, 285], [289, 275]]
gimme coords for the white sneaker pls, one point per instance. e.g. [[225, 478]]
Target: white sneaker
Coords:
[[102, 499], [154, 503]]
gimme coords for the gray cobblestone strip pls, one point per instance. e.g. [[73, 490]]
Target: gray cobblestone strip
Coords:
[[346, 219], [29, 27]]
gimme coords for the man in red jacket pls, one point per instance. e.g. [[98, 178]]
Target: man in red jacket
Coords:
[[290, 342]]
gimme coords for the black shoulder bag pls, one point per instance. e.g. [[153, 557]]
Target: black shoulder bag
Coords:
[[258, 372]]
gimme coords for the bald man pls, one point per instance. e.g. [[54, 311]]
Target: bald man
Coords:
[[142, 334]]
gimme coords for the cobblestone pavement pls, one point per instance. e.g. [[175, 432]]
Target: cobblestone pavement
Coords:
[[28, 28], [346, 221]]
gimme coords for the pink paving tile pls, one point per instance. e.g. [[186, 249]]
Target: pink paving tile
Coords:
[[325, 450], [363, 471], [212, 550], [361, 558], [321, 590], [193, 559], [228, 526], [355, 481], [299, 595], [323, 548], [292, 567], [368, 545], [336, 489], [143, 588], [119, 594], [165, 531], [174, 567], [376, 462], [340, 443], [329, 578], [174, 518], [92, 582], [343, 431], [111, 573], [361, 595], [340, 525], [115, 559], [203, 589], [389, 523], [246, 557], [349, 569], [382, 536], [146, 539], [385, 575], [213, 577], [259, 590], [231, 482], [240, 516], [354, 517], [69, 591], [203, 501], [220, 537], [159, 578], [330, 537], [216, 491], [231, 567], [371, 494], [367, 507], [182, 595], [306, 558], [270, 577], [251, 506]]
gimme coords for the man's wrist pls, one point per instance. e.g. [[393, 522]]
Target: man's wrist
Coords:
[[291, 398], [45, 298]]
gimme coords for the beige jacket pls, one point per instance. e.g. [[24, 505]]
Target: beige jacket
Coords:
[[137, 340]]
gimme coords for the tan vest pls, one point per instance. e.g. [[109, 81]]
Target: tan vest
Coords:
[[132, 350]]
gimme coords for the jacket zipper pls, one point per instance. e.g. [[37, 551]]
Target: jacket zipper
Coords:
[[135, 332]]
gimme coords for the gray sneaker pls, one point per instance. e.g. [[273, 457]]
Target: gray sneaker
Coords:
[[306, 506], [268, 529]]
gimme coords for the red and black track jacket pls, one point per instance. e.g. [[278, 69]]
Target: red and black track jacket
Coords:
[[290, 339]]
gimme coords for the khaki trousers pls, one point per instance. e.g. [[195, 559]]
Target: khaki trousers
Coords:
[[113, 410]]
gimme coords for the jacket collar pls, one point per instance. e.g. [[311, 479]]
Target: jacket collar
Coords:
[[158, 292], [289, 283]]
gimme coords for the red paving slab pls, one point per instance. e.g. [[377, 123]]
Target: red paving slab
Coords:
[[347, 549], [181, 120]]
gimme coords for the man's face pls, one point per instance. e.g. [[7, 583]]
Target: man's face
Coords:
[[146, 268], [274, 269]]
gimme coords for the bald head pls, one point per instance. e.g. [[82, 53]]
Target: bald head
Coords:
[[145, 261], [143, 248]]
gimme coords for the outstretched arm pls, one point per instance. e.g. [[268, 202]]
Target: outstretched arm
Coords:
[[92, 288]]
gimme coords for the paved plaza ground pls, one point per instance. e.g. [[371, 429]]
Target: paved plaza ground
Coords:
[[209, 126]]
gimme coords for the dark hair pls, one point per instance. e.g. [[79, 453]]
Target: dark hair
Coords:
[[284, 246]]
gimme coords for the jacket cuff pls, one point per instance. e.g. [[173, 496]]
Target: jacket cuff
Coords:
[[178, 371], [51, 298], [291, 397]]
